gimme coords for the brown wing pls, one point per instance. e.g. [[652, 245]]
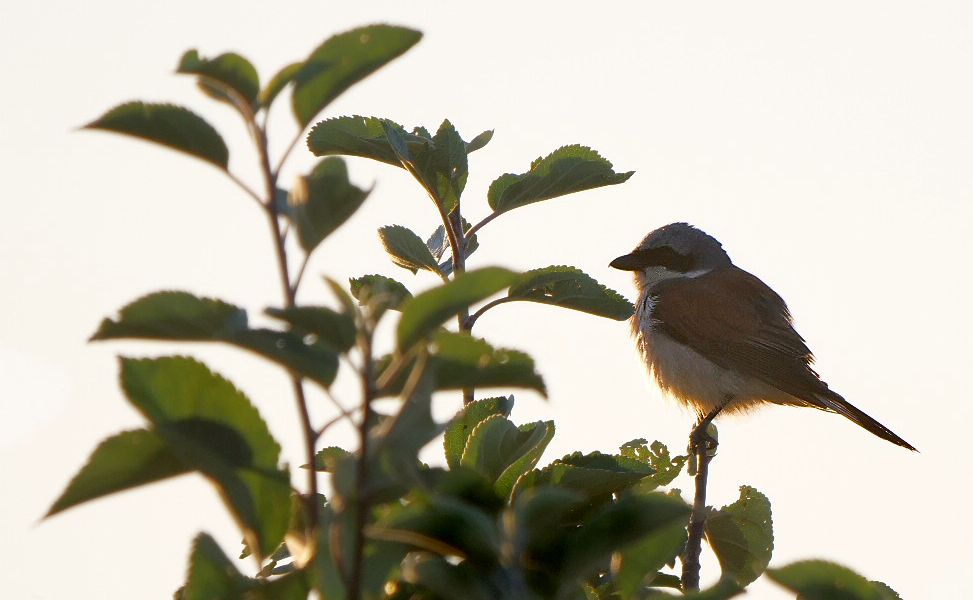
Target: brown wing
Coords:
[[739, 323]]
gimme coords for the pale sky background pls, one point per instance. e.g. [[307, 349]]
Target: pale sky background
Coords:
[[828, 145]]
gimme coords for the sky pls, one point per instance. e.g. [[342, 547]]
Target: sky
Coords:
[[827, 145]]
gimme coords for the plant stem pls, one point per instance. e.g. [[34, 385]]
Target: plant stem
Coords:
[[361, 477], [290, 293], [694, 545]]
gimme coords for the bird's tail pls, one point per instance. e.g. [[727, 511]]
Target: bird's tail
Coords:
[[835, 403]]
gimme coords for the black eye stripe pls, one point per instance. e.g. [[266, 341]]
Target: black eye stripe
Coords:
[[664, 256]]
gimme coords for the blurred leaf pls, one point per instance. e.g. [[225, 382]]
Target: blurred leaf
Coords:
[[211, 426], [121, 462], [329, 326], [571, 288], [479, 141], [461, 426], [503, 452], [618, 524], [638, 565], [657, 457], [440, 578], [173, 126], [212, 574], [407, 249], [323, 201], [399, 439], [821, 580], [741, 535], [444, 526], [357, 136], [231, 74], [326, 458], [464, 361], [424, 313], [343, 60], [278, 83], [567, 170], [378, 288], [174, 316], [183, 316]]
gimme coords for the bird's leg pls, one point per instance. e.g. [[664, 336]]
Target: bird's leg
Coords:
[[702, 447], [700, 440]]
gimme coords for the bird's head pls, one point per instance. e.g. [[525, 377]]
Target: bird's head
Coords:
[[674, 250]]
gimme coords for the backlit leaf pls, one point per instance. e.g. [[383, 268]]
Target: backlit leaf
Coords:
[[407, 249], [343, 60], [567, 170], [232, 74], [173, 126], [212, 427], [121, 462], [571, 288], [742, 537], [323, 200], [424, 313], [821, 580]]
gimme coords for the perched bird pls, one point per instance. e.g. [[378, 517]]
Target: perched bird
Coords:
[[719, 339]]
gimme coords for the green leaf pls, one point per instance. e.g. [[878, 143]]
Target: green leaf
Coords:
[[741, 535], [479, 141], [343, 60], [464, 361], [121, 462], [174, 316], [571, 288], [357, 136], [567, 170], [173, 126], [327, 458], [441, 167], [327, 325], [278, 83], [183, 316], [441, 579], [424, 313], [618, 524], [388, 292], [211, 426], [503, 452], [444, 526], [322, 201], [462, 425], [821, 580], [407, 249], [657, 456], [317, 360], [638, 565], [233, 76], [212, 574], [596, 475]]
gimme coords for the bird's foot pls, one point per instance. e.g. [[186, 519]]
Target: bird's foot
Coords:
[[704, 439]]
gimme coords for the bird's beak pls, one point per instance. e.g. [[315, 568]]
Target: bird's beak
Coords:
[[628, 262]]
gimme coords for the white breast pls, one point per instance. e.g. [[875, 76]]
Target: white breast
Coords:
[[689, 377]]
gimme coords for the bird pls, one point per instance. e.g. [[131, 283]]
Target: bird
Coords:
[[718, 339]]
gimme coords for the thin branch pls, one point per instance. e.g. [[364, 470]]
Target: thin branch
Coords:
[[290, 292], [300, 273], [486, 219], [249, 191], [472, 319], [697, 519], [361, 477]]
